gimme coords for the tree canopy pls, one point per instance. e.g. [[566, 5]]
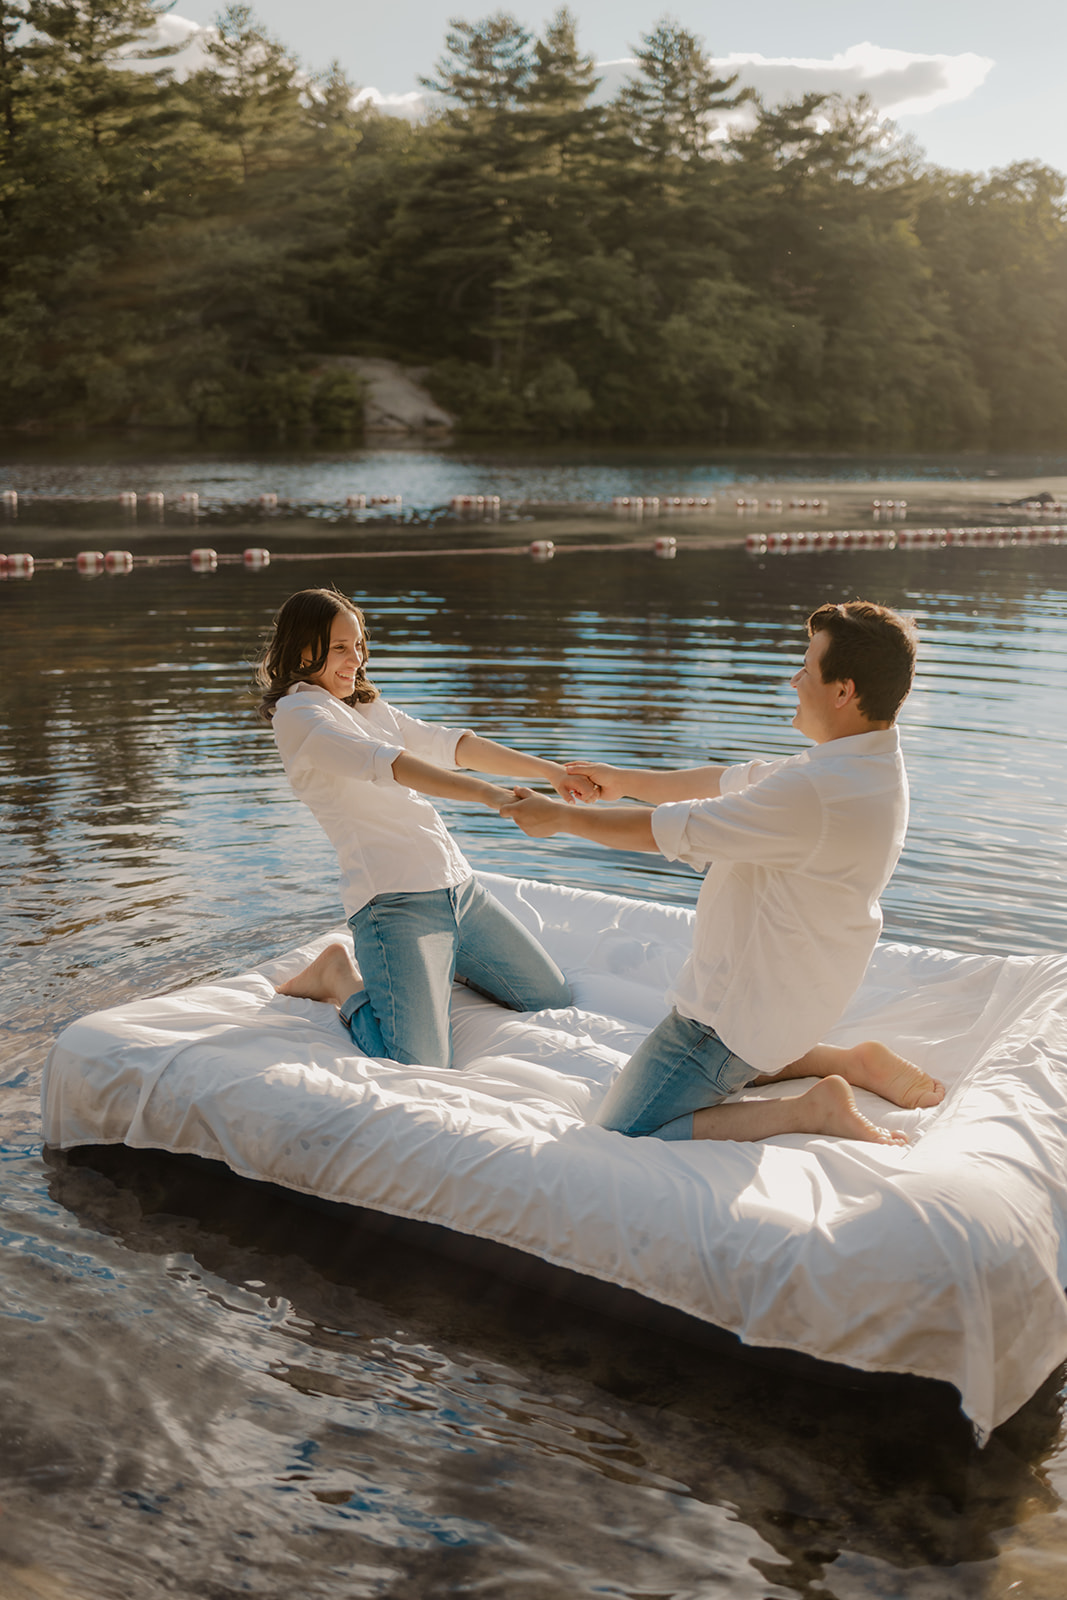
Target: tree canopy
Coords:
[[676, 262]]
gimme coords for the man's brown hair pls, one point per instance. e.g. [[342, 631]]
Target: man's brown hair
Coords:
[[873, 646]]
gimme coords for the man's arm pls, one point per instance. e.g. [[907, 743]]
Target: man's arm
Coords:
[[485, 755], [654, 788], [621, 827]]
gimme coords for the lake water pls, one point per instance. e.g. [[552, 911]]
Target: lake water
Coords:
[[208, 1391], [428, 477]]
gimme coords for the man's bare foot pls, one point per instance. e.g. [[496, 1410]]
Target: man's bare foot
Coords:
[[827, 1107], [872, 1066], [332, 975], [830, 1107], [875, 1067]]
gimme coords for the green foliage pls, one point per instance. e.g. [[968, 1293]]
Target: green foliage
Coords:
[[337, 402], [181, 253]]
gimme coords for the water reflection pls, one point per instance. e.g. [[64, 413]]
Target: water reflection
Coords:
[[223, 1389], [430, 477], [440, 1391]]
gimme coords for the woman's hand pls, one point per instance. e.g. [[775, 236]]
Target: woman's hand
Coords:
[[605, 782], [496, 797], [535, 814], [572, 786]]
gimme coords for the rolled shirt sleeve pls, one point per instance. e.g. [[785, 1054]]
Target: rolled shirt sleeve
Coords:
[[430, 741], [775, 818], [310, 741]]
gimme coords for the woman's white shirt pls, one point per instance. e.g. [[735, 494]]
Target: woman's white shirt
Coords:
[[339, 761]]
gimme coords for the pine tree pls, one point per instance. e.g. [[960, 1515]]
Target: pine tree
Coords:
[[249, 97], [674, 105]]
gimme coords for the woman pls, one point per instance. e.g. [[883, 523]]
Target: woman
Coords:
[[418, 917]]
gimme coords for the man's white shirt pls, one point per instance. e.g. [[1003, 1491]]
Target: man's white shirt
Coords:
[[800, 850]]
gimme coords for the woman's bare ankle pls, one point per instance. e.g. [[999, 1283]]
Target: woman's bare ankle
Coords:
[[333, 976]]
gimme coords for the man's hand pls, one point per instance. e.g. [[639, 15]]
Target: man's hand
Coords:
[[574, 785], [605, 782], [535, 814]]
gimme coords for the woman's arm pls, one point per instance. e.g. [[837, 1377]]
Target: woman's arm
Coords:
[[621, 827], [654, 788], [485, 755], [423, 776]]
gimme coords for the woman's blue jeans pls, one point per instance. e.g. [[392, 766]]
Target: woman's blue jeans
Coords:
[[680, 1068], [411, 947]]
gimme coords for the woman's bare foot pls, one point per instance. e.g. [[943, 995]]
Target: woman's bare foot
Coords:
[[333, 975], [875, 1067]]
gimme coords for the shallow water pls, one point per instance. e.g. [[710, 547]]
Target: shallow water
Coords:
[[427, 477], [208, 1389]]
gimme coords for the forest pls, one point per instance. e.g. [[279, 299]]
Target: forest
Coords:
[[189, 252]]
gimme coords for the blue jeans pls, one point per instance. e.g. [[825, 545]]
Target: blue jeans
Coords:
[[680, 1068], [411, 947]]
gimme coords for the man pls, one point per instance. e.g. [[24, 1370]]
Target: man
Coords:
[[788, 915]]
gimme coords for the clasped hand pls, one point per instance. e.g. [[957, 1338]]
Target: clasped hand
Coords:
[[585, 781]]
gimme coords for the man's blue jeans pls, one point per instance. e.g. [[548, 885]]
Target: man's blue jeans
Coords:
[[680, 1068], [411, 947]]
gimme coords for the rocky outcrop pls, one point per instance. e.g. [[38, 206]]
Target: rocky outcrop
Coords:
[[396, 402]]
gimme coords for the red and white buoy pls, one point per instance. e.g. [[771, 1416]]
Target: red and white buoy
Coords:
[[119, 561], [189, 500], [19, 566], [90, 562], [256, 558], [666, 547], [388, 502], [128, 499], [9, 499], [355, 502], [203, 560], [153, 500], [542, 549], [268, 502]]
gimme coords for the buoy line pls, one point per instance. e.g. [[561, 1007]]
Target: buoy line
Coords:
[[92, 563]]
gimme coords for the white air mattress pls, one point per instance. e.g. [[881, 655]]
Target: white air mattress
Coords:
[[946, 1259]]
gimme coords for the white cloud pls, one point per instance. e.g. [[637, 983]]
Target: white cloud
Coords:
[[410, 105], [899, 83], [187, 36]]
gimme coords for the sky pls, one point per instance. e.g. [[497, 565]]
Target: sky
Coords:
[[978, 83]]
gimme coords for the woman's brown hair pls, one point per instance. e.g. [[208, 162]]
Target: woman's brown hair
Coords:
[[300, 629]]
